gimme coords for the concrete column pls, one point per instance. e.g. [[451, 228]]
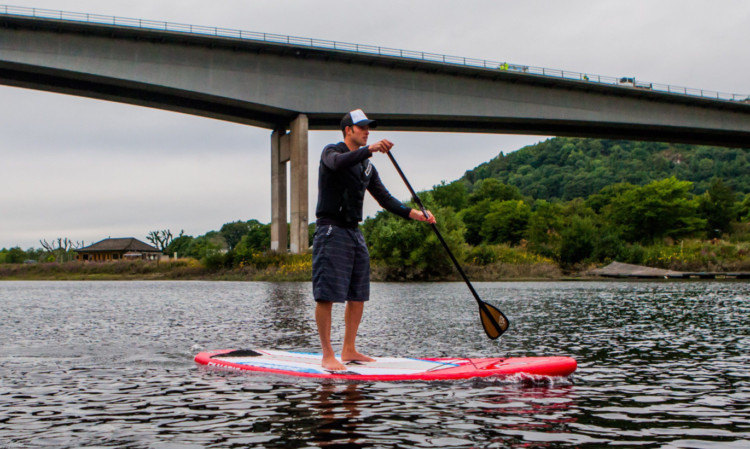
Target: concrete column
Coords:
[[298, 207], [279, 158]]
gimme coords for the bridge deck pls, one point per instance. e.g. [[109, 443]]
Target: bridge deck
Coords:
[[217, 33]]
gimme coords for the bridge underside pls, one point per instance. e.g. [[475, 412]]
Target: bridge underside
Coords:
[[272, 117], [285, 87]]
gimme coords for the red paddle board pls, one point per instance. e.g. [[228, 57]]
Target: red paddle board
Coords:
[[304, 364]]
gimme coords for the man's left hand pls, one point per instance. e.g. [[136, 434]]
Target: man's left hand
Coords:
[[418, 215]]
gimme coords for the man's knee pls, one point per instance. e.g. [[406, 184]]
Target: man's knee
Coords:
[[324, 305]]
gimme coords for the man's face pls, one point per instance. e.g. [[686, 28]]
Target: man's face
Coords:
[[359, 134]]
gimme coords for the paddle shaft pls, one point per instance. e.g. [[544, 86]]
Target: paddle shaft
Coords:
[[414, 196]]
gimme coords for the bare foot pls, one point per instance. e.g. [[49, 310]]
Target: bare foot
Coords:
[[332, 364], [355, 356]]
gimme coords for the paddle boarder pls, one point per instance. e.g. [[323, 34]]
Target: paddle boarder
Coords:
[[341, 260]]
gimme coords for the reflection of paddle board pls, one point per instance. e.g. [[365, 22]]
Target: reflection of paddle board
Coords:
[[386, 368]]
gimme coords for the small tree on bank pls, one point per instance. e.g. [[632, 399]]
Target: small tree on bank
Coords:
[[62, 249]]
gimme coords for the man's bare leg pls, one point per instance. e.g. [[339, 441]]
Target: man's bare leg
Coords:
[[352, 318], [323, 319]]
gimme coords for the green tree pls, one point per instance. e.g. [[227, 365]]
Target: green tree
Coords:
[[179, 246], [744, 209], [717, 206], [473, 218], [506, 222], [493, 189], [257, 239], [36, 254], [577, 240], [545, 224], [410, 244], [606, 195], [234, 231], [577, 187], [12, 255], [452, 195], [210, 244], [660, 209]]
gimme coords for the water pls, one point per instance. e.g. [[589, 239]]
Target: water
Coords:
[[109, 364]]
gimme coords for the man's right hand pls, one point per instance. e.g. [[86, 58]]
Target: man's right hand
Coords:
[[382, 146]]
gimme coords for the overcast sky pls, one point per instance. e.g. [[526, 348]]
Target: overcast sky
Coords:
[[88, 169]]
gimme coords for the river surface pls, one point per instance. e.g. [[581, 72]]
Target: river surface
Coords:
[[110, 364]]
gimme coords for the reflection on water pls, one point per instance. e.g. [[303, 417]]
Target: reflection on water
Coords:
[[110, 364]]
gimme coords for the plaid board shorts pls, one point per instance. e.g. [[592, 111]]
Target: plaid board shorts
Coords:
[[341, 265]]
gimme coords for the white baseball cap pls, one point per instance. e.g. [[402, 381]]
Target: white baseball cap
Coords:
[[357, 117]]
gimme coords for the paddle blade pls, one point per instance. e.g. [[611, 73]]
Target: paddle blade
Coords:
[[493, 320]]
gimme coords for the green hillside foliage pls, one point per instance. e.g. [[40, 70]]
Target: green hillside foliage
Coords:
[[566, 168], [584, 201]]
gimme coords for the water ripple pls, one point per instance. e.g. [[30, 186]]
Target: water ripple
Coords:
[[110, 365]]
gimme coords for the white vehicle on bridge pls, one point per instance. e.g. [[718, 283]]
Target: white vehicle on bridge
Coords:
[[632, 82]]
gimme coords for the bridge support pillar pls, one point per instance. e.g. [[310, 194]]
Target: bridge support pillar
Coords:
[[279, 158], [291, 147], [299, 242]]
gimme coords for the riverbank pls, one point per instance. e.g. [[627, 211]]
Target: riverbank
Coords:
[[293, 271], [181, 269], [299, 269]]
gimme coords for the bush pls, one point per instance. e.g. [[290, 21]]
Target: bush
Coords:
[[697, 255], [216, 261], [412, 245], [490, 254], [506, 222], [608, 247], [481, 255], [634, 254], [740, 232], [13, 255], [577, 240]]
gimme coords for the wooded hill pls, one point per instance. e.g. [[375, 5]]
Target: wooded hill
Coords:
[[573, 201], [562, 203], [567, 168]]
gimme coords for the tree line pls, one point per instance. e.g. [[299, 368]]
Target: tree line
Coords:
[[617, 223], [565, 201], [580, 201]]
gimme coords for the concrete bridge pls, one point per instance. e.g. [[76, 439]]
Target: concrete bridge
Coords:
[[292, 85]]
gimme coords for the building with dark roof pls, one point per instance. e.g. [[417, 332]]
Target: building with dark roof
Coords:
[[117, 249]]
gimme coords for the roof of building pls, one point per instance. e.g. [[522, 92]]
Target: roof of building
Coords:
[[120, 244]]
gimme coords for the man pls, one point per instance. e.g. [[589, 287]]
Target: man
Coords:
[[341, 261]]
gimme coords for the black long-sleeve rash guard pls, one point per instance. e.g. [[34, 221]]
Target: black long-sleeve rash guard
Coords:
[[343, 178]]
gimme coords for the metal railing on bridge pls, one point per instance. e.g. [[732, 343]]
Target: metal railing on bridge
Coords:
[[624, 82]]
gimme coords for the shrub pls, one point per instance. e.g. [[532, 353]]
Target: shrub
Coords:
[[215, 261]]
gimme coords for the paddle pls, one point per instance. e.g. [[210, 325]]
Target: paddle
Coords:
[[493, 320]]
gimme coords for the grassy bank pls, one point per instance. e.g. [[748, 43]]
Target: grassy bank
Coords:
[[119, 270], [697, 255], [296, 269], [486, 263]]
